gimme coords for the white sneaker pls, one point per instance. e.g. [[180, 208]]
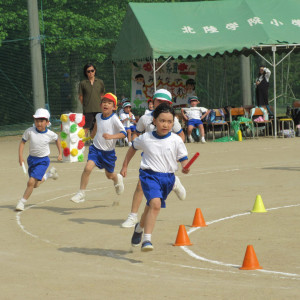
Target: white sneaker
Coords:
[[20, 206], [79, 197], [54, 174], [119, 187], [130, 222], [203, 141], [179, 189], [190, 139]]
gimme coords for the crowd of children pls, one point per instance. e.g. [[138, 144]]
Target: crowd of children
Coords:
[[157, 133]]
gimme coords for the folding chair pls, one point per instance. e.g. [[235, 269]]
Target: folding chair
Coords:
[[258, 119], [236, 112], [219, 124]]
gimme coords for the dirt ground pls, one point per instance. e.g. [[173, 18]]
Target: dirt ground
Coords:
[[57, 249]]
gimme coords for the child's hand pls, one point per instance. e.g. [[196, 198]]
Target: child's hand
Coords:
[[123, 171], [59, 157], [107, 136], [21, 160], [185, 171]]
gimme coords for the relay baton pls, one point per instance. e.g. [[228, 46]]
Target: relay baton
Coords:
[[86, 139], [24, 168], [192, 160]]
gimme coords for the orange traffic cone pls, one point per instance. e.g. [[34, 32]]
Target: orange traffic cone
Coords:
[[198, 219], [250, 260], [182, 237]]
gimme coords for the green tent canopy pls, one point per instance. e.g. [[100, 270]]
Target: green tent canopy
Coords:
[[208, 28], [192, 29]]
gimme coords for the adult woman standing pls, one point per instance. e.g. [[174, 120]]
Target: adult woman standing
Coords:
[[262, 86], [91, 90]]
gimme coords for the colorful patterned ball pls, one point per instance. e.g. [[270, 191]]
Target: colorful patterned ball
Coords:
[[63, 144], [80, 144], [63, 135], [73, 128], [80, 157], [82, 123], [74, 152], [72, 117], [66, 151], [81, 133], [64, 118]]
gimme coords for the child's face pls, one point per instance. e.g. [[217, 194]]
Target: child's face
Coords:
[[150, 105], [107, 106], [140, 79], [127, 109], [194, 103], [164, 123], [41, 124], [157, 102], [190, 87]]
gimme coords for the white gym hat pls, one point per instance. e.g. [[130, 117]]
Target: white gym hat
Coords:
[[163, 95], [42, 113]]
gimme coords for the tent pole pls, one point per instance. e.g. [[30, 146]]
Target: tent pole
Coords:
[[114, 74], [154, 76], [274, 86]]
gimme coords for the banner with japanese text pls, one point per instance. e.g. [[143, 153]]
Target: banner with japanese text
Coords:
[[176, 77]]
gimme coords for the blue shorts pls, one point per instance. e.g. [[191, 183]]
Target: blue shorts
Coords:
[[132, 128], [37, 166], [103, 159], [194, 122], [156, 185]]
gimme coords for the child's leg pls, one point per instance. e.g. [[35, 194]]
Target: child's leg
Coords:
[[86, 174], [118, 181], [129, 135], [151, 215], [136, 202], [80, 196], [201, 129], [31, 184], [189, 130]]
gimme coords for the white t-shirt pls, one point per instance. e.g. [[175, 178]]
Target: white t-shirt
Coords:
[[161, 154], [145, 124], [195, 112], [127, 123], [39, 141], [110, 125], [148, 111]]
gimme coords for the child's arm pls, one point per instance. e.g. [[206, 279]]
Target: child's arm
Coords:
[[57, 142], [21, 149], [93, 133], [184, 115], [119, 135], [130, 153], [203, 116], [183, 164]]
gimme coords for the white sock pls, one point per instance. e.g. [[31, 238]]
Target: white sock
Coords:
[[82, 192], [126, 140], [23, 200], [147, 237], [138, 229], [189, 136], [134, 215]]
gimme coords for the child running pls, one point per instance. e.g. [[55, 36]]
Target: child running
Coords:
[[194, 117], [108, 128], [161, 152], [128, 120], [38, 160], [145, 124]]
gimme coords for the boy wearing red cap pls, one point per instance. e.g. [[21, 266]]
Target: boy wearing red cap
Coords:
[[107, 130]]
